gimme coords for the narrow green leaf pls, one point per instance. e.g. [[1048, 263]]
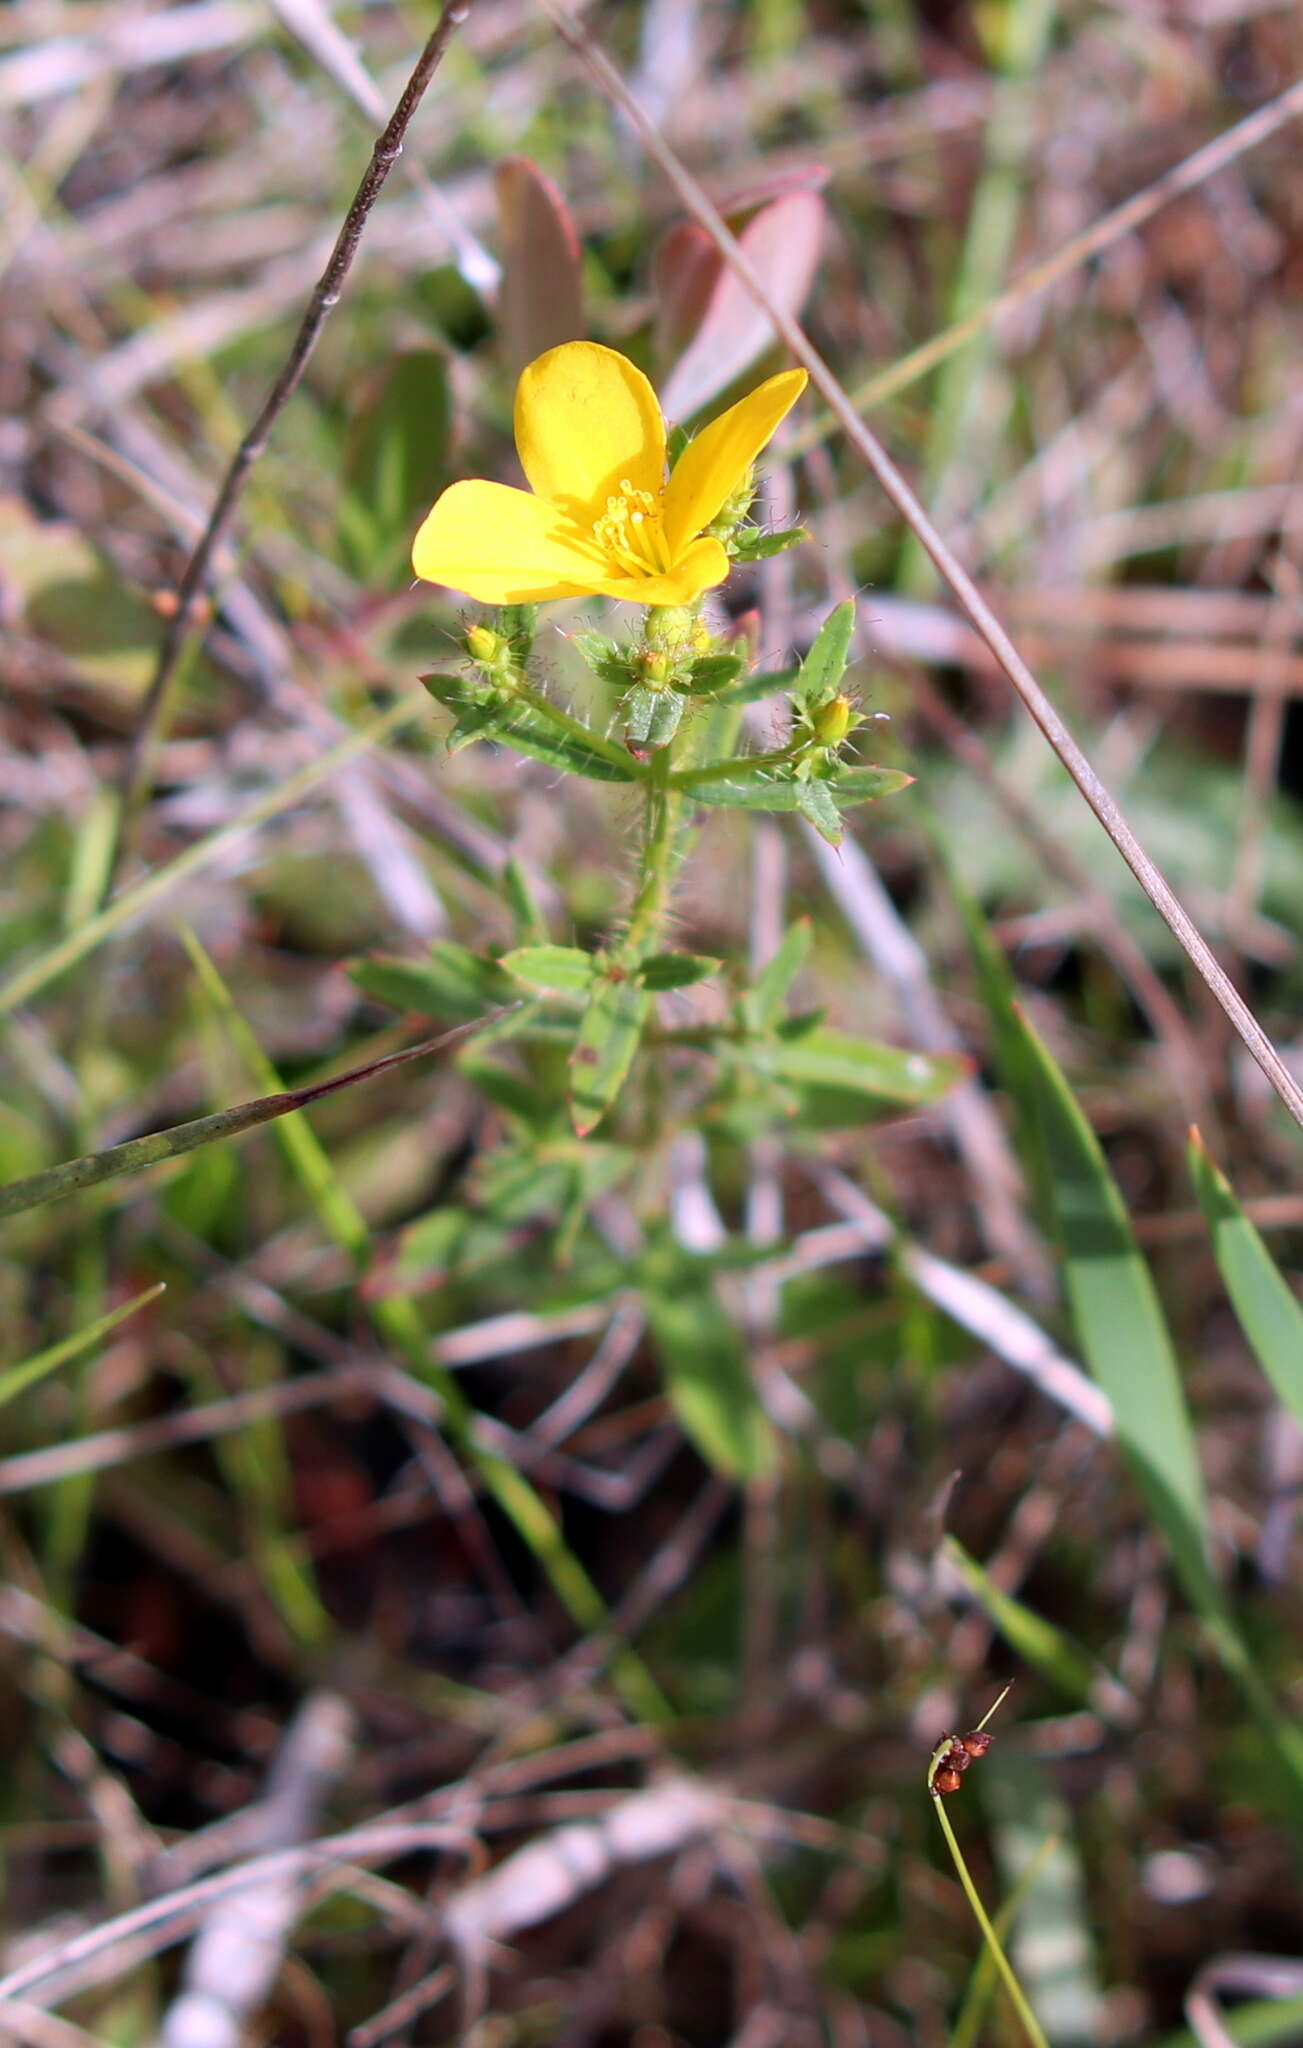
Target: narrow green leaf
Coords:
[[395, 457], [603, 1053], [710, 1389], [451, 982], [487, 721], [768, 991], [760, 787], [1258, 2023], [715, 672], [1117, 1317], [767, 684], [525, 911], [1036, 1641], [834, 1059], [400, 1327], [1268, 1311], [999, 994], [529, 731], [757, 789], [554, 970], [137, 1153], [676, 970], [16, 1379], [864, 785], [824, 666]]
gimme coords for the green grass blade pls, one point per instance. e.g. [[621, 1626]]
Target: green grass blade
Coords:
[[1117, 1315], [1268, 1312], [72, 1175], [1261, 2023], [1037, 1641], [16, 1379], [39, 973], [1123, 1335]]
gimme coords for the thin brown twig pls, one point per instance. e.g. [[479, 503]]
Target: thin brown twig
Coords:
[[154, 711], [1035, 701]]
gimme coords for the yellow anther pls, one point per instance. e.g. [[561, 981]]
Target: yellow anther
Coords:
[[630, 531]]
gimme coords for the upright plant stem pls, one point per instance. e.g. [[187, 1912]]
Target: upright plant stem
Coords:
[[653, 898]]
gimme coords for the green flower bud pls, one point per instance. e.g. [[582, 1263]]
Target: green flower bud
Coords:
[[485, 647], [832, 721]]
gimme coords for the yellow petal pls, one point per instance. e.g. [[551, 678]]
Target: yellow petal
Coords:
[[699, 568], [713, 465], [502, 546], [587, 422]]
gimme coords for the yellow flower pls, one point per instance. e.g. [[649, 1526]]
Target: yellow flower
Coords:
[[602, 520]]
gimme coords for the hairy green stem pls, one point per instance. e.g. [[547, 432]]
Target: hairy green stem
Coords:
[[653, 898]]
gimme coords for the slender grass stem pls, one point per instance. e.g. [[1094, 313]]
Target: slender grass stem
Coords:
[[1031, 2024]]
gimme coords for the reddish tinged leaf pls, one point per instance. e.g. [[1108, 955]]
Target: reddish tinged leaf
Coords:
[[782, 243], [541, 303], [685, 271]]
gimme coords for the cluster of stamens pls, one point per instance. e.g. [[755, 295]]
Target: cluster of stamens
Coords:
[[630, 531]]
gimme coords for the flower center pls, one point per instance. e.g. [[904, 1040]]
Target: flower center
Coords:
[[630, 531]]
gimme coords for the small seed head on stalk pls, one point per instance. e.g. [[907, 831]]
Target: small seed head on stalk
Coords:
[[954, 1753]]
